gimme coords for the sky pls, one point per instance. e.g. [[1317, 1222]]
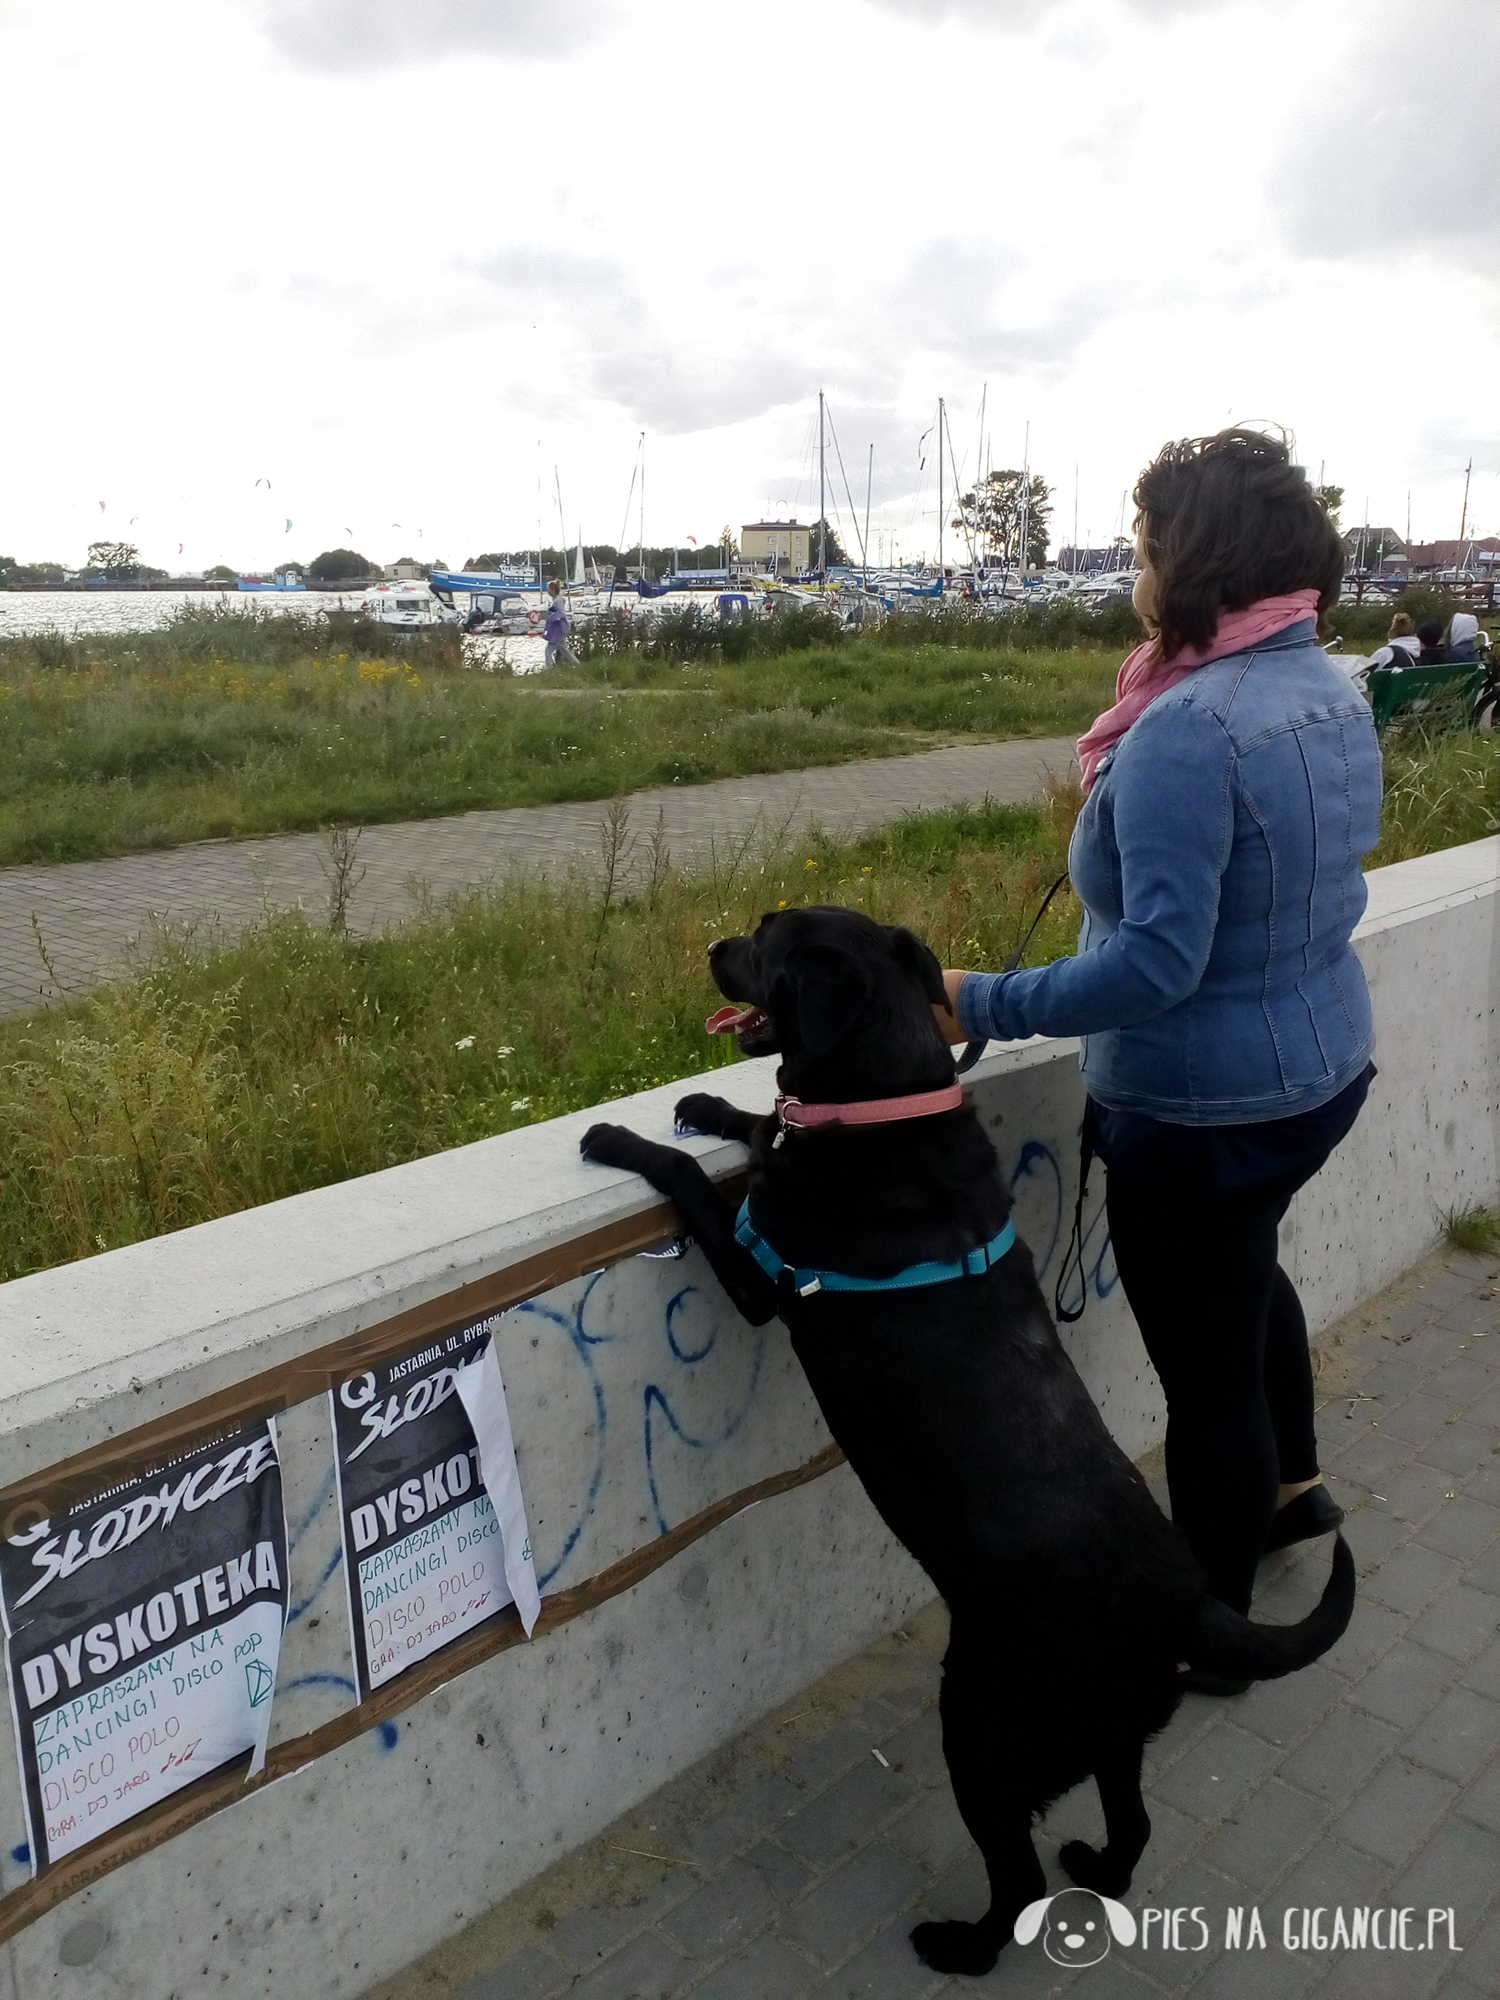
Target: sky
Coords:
[[416, 275]]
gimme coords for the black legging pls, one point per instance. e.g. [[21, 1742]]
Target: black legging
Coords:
[[1226, 1335]]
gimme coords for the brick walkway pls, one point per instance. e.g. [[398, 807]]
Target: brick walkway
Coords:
[[91, 912], [795, 1861]]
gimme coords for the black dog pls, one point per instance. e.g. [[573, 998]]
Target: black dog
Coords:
[[1074, 1602]]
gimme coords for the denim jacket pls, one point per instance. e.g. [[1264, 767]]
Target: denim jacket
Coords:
[[1218, 862]]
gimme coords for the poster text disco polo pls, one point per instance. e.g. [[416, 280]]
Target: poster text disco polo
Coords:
[[143, 1634], [423, 1549]]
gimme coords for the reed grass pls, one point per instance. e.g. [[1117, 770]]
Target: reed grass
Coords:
[[1442, 782], [226, 725], [1475, 1229]]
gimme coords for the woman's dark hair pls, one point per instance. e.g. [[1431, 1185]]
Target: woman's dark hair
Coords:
[[1226, 520]]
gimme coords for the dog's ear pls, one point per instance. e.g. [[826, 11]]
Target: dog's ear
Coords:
[[832, 988], [919, 959], [1121, 1920], [1030, 1920]]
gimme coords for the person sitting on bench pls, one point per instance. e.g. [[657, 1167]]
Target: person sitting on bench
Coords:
[[1461, 640], [1434, 653], [1402, 645]]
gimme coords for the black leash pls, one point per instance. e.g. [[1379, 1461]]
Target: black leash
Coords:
[[974, 1050], [1073, 1255]]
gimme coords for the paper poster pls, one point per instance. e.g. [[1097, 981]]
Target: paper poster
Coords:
[[143, 1632], [434, 1526]]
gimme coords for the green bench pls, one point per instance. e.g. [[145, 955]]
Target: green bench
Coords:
[[1394, 688]]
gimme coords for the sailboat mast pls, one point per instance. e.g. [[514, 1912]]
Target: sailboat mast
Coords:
[[869, 482], [984, 397], [1025, 504], [1463, 519], [1075, 517], [822, 506], [941, 422], [641, 552]]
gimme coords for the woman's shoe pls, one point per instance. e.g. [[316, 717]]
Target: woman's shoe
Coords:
[[1312, 1513]]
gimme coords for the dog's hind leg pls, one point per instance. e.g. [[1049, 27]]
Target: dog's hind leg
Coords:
[[997, 1816], [1127, 1827]]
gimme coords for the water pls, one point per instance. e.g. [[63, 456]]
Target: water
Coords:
[[78, 614]]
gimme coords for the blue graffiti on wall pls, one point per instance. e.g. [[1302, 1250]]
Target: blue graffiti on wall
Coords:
[[656, 1397], [1037, 1182]]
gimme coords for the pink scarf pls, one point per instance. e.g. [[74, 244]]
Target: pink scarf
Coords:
[[1144, 676]]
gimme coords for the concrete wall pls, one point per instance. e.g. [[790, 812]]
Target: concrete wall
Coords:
[[638, 1399]]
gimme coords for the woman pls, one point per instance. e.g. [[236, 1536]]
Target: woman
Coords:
[[1461, 640], [555, 632], [1401, 644], [1232, 791]]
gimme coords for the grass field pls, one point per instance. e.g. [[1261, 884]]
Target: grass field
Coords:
[[224, 725], [299, 1056]]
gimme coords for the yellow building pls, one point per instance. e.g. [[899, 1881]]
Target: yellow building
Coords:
[[783, 543]]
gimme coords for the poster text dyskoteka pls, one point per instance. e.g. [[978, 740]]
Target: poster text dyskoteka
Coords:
[[64, 1555]]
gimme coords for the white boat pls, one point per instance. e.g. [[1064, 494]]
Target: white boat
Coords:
[[407, 606]]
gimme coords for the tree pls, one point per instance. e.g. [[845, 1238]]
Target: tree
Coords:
[[1331, 498], [837, 554], [29, 576], [221, 573], [339, 565], [120, 561], [992, 515]]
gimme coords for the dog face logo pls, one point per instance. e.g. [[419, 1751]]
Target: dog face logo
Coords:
[[1079, 1926]]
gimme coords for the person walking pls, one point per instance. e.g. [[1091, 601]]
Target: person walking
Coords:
[[557, 628], [1232, 792]]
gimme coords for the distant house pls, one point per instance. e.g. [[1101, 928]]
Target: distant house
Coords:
[[1479, 556], [405, 571], [1373, 548], [783, 544]]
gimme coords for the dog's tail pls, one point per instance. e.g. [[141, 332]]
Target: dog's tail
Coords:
[[1236, 1647]]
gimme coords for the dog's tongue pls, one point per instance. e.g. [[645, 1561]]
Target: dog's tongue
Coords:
[[728, 1019]]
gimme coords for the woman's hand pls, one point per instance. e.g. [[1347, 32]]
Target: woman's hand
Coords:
[[947, 1016]]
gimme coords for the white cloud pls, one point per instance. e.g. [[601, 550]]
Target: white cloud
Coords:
[[1403, 154], [406, 291], [351, 36]]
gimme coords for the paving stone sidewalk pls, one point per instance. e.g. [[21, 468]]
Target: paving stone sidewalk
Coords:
[[90, 913], [795, 1861]]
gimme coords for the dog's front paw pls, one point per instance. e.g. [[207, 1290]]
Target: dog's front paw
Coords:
[[954, 1947], [700, 1112], [613, 1146]]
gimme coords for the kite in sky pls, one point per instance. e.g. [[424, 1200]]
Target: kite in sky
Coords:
[[263, 482], [101, 506], [287, 529]]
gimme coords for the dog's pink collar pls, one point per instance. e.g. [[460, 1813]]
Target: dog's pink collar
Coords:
[[791, 1111]]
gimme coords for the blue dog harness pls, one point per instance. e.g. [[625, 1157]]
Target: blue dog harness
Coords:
[[806, 1282]]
